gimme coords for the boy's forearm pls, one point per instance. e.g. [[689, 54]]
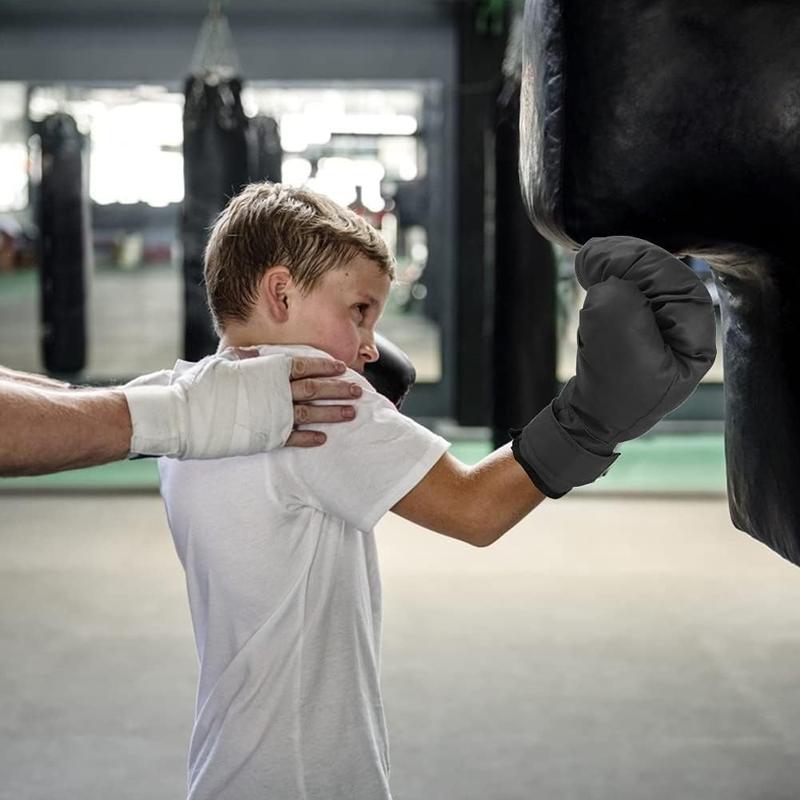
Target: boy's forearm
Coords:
[[500, 494], [476, 504]]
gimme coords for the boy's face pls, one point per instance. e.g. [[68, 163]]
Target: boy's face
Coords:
[[340, 313]]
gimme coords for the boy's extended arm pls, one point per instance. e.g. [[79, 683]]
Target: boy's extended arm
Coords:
[[476, 504], [645, 338]]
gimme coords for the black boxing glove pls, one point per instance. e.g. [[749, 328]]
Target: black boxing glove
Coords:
[[393, 374], [645, 339]]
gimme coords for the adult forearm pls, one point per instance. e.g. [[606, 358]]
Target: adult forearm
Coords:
[[47, 429], [7, 374]]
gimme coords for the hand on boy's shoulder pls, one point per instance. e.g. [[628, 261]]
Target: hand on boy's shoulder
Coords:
[[316, 380], [239, 402]]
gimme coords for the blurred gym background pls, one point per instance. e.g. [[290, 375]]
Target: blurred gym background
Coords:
[[625, 641]]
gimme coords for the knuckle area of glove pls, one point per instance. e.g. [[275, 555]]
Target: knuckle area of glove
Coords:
[[615, 290], [610, 305]]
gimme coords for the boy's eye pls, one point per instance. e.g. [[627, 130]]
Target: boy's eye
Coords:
[[362, 308]]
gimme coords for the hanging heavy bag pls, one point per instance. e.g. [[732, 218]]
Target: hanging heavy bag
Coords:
[[63, 218], [215, 167]]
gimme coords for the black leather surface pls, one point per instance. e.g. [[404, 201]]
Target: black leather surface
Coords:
[[63, 220], [677, 121], [392, 374], [215, 167], [673, 120]]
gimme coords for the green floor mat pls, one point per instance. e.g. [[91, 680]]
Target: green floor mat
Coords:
[[686, 463]]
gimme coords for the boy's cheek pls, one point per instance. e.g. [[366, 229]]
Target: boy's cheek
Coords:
[[347, 347]]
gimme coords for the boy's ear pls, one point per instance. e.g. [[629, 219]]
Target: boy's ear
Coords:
[[276, 286]]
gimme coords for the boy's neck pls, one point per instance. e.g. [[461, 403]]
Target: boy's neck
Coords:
[[249, 334]]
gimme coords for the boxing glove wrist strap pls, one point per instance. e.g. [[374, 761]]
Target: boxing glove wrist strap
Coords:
[[552, 459]]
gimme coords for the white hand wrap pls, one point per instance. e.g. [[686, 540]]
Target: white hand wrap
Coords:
[[214, 409]]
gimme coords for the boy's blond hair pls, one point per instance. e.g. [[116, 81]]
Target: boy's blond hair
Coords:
[[270, 223]]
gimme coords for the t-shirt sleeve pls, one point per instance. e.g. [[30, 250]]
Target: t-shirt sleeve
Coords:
[[367, 465]]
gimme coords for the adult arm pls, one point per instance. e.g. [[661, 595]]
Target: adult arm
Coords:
[[7, 374], [47, 427], [476, 504]]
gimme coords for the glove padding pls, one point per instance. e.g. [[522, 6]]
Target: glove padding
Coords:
[[218, 407], [393, 374], [646, 337]]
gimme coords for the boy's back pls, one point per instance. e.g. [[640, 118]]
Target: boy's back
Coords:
[[286, 603]]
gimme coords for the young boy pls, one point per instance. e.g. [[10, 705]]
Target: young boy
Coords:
[[278, 548]]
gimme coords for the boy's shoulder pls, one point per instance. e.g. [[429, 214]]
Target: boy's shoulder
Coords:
[[234, 354], [365, 466], [308, 351]]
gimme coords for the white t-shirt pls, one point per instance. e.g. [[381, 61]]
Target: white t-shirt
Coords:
[[285, 597]]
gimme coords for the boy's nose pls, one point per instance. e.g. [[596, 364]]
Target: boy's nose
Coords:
[[369, 352]]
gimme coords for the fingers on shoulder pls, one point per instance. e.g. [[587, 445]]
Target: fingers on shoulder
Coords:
[[305, 366], [306, 439], [304, 389]]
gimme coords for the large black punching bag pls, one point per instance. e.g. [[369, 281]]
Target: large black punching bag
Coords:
[[523, 317], [215, 167], [678, 121], [63, 219]]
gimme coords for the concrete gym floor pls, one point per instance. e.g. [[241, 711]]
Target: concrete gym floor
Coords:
[[609, 647]]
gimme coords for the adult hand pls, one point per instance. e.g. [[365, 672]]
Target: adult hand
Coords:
[[222, 407], [313, 378]]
